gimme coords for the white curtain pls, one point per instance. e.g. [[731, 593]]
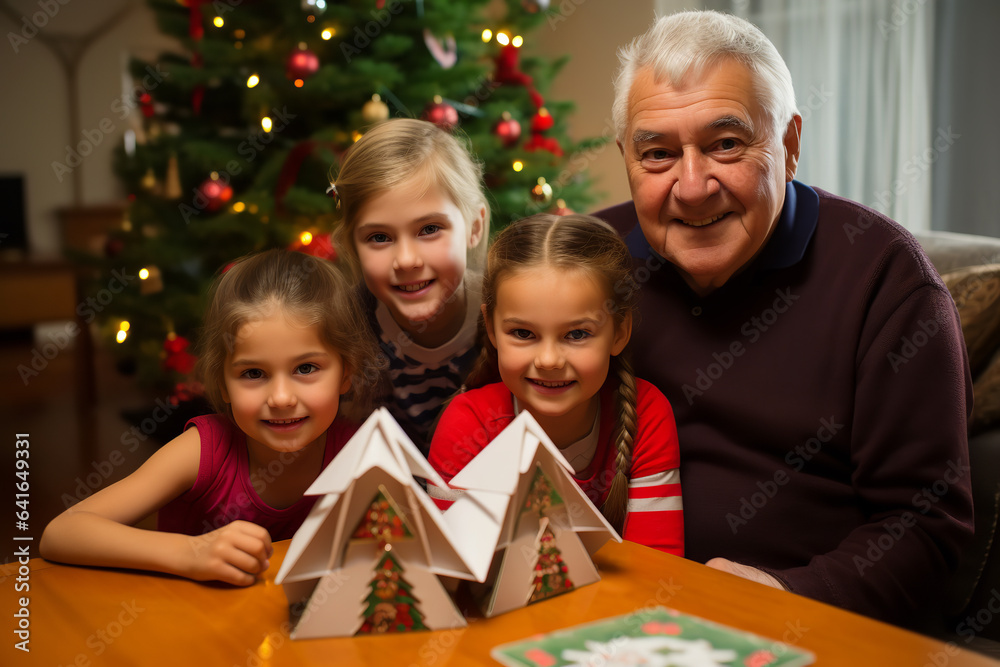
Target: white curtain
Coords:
[[863, 78]]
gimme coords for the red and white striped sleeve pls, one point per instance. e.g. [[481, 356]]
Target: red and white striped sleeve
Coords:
[[655, 514]]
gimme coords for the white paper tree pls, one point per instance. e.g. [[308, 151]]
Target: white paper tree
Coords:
[[546, 522], [338, 564]]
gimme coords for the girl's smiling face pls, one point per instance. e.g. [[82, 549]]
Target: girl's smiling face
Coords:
[[555, 339], [283, 382], [412, 243]]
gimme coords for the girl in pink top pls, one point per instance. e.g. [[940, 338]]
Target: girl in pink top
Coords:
[[283, 341]]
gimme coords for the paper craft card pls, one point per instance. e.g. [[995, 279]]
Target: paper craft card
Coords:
[[370, 556], [548, 527], [654, 637]]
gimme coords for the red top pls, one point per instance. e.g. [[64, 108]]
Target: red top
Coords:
[[655, 514]]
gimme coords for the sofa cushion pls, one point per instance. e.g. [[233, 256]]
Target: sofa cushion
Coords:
[[976, 291]]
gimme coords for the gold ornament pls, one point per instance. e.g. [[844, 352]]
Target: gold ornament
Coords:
[[375, 110], [542, 192], [172, 187], [148, 181]]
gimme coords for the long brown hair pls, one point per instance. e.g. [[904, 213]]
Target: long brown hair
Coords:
[[312, 290], [577, 242]]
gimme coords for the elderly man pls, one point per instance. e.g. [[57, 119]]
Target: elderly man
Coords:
[[813, 357]]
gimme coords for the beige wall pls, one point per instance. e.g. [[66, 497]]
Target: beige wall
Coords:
[[35, 105], [591, 31]]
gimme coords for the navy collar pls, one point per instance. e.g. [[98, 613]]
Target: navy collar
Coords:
[[788, 242]]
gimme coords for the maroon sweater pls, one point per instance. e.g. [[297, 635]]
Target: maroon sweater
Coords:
[[821, 398]]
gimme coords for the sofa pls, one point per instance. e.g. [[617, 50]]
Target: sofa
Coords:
[[970, 267]]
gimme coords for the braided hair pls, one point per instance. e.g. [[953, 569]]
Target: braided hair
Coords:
[[578, 242]]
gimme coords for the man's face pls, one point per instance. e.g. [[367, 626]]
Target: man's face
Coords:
[[706, 174]]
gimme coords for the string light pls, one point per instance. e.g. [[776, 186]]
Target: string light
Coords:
[[239, 207], [503, 38], [298, 84], [518, 165], [328, 33], [143, 273], [121, 335], [265, 123], [218, 22], [487, 35], [517, 41], [306, 238], [239, 33], [253, 81]]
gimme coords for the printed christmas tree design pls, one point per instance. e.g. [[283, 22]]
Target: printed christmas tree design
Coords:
[[390, 606], [369, 557], [551, 575], [382, 522], [548, 528]]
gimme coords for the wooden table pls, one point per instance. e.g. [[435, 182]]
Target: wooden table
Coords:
[[84, 616]]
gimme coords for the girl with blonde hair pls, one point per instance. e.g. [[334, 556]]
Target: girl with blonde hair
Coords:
[[415, 225]]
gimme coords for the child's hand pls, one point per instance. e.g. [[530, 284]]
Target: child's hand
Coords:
[[235, 553]]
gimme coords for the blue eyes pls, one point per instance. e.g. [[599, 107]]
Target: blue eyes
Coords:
[[382, 237]]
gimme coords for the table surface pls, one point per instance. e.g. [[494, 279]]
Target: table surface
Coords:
[[92, 616]]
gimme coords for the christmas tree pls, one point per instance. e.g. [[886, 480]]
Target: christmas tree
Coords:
[[234, 139], [390, 606], [550, 575]]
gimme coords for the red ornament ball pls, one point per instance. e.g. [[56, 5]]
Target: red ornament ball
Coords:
[[302, 64], [214, 194], [508, 130], [113, 247], [542, 121], [441, 114]]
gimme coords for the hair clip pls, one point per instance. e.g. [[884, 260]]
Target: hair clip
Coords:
[[332, 193]]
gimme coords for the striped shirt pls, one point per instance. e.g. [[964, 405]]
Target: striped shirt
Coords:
[[424, 378]]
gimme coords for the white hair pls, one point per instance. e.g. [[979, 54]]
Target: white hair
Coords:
[[685, 43]]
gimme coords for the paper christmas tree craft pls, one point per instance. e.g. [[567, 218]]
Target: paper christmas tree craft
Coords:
[[548, 527], [368, 557]]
